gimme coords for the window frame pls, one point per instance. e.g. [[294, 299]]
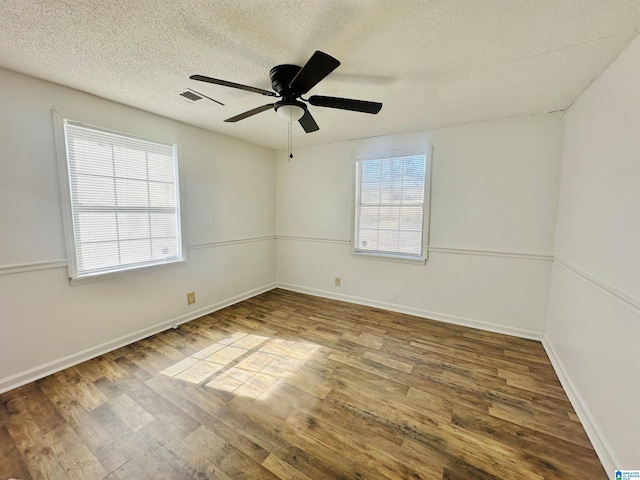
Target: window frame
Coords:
[[426, 206], [64, 178]]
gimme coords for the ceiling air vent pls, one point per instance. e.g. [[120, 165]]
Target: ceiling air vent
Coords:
[[192, 96]]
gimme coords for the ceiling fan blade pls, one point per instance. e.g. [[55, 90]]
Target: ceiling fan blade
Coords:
[[308, 123], [345, 104], [250, 113], [224, 83], [319, 66]]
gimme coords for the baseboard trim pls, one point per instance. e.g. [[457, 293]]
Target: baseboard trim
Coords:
[[41, 371], [441, 317], [604, 452]]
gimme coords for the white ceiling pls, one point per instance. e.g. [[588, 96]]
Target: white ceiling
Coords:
[[432, 63]]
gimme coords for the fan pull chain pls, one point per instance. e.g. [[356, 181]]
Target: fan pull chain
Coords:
[[290, 143]]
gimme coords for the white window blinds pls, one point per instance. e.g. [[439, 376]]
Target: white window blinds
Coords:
[[390, 206], [124, 201]]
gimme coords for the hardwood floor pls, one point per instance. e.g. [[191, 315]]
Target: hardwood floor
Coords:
[[290, 386]]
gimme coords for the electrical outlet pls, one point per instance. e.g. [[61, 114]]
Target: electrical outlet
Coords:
[[191, 298], [338, 281]]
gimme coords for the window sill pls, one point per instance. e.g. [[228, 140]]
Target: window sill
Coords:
[[391, 258], [98, 277]]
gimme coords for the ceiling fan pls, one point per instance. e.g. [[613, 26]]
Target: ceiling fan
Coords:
[[289, 83]]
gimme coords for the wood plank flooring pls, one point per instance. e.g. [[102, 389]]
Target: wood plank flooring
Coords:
[[290, 386]]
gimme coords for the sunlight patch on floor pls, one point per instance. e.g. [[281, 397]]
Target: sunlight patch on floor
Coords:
[[243, 364]]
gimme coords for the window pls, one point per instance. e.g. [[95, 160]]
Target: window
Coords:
[[124, 200], [390, 206]]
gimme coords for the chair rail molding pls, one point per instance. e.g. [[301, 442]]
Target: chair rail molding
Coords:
[[632, 303], [33, 266]]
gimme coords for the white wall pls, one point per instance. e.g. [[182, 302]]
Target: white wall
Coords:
[[494, 189], [593, 331], [228, 224]]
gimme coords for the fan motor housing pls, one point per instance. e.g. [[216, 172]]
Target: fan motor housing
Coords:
[[281, 77]]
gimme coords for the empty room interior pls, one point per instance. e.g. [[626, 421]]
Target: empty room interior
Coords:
[[307, 239]]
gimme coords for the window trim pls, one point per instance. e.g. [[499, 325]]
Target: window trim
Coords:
[[59, 119], [426, 206]]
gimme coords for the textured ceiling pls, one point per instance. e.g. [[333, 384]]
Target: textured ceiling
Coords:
[[432, 63]]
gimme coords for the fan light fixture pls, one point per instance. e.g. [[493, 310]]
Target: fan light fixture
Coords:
[[291, 113]]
